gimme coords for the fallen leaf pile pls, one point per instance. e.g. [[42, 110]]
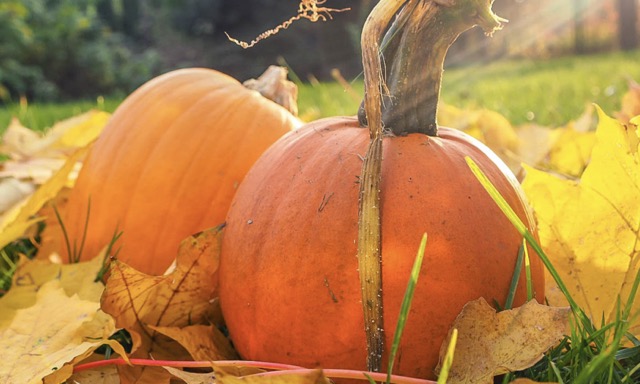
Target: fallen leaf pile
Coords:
[[583, 183], [170, 317]]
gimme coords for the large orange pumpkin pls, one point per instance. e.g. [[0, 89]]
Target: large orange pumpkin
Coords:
[[289, 282], [168, 164]]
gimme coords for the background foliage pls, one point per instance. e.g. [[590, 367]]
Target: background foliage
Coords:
[[61, 49], [54, 50]]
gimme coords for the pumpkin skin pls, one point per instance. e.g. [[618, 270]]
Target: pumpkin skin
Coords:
[[168, 164], [289, 285]]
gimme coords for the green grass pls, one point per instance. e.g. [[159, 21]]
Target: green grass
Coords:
[[549, 92], [40, 116]]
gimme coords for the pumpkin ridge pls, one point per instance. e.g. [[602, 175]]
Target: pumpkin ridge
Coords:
[[166, 226], [122, 152], [107, 178], [132, 166]]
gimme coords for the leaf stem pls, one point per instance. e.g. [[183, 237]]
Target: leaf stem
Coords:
[[332, 373]]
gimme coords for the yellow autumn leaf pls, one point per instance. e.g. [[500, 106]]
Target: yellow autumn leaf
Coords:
[[30, 275], [56, 330], [537, 141], [490, 343], [19, 142], [590, 227], [16, 221], [81, 130], [571, 152], [488, 126]]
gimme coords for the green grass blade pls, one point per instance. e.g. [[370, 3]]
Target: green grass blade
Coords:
[[527, 271], [496, 196], [448, 358], [515, 278], [524, 231], [406, 304]]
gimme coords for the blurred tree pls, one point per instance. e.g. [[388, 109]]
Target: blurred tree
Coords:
[[131, 13], [579, 35], [53, 49], [628, 24]]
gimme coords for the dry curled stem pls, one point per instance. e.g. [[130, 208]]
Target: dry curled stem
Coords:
[[308, 9]]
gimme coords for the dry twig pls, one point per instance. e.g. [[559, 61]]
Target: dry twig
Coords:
[[308, 9]]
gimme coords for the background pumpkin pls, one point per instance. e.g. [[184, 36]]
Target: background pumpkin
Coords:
[[168, 164], [289, 284]]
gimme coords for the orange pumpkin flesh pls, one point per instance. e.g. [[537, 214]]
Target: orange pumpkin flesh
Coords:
[[289, 287], [168, 164], [289, 268]]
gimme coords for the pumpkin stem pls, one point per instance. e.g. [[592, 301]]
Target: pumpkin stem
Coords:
[[369, 224], [414, 48], [417, 43], [273, 85]]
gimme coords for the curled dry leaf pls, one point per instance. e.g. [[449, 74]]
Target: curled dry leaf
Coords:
[[64, 138], [141, 303], [273, 85], [491, 343], [203, 342], [589, 227]]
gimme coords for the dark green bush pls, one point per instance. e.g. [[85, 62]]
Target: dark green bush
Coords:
[[61, 49]]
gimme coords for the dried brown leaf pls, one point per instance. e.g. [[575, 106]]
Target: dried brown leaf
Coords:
[[309, 377], [203, 342], [101, 375], [192, 377], [182, 298], [491, 343]]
